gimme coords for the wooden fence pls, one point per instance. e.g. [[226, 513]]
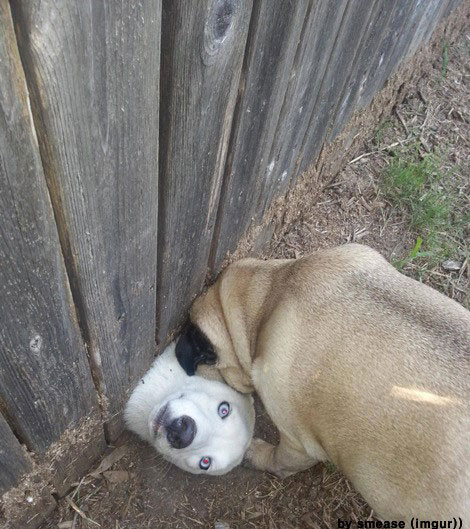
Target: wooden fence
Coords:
[[138, 143]]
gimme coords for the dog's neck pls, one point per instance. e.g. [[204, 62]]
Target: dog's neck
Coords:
[[224, 324]]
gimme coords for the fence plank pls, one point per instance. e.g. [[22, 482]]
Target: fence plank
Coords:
[[20, 507], [350, 38], [273, 41], [13, 461], [426, 24], [203, 46], [45, 382], [375, 34], [312, 60], [378, 70], [404, 27], [93, 70]]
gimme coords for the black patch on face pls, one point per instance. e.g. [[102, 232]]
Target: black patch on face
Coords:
[[193, 348]]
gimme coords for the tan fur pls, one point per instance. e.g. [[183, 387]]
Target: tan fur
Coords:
[[357, 364]]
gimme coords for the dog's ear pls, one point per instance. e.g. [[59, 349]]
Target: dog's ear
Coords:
[[193, 348]]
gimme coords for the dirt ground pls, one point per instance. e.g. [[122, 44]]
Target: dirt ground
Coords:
[[139, 490]]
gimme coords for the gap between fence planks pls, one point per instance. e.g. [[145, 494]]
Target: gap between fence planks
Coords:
[[203, 47]]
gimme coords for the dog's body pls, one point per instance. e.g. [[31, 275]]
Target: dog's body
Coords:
[[179, 415], [355, 363]]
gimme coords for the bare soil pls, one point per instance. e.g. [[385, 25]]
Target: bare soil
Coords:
[[140, 490]]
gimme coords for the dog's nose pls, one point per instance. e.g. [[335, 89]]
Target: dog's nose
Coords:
[[180, 432]]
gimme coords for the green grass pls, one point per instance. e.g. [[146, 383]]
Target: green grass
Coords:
[[436, 212], [382, 129], [330, 467], [445, 59]]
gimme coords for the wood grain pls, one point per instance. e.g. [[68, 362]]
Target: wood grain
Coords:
[[274, 37], [13, 460], [375, 34], [349, 40], [427, 24], [404, 26], [311, 62], [45, 381], [203, 47], [380, 64], [93, 72]]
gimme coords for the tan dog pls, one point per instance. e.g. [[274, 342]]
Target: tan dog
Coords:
[[356, 364]]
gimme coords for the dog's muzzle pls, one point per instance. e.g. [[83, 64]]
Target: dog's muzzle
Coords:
[[181, 431]]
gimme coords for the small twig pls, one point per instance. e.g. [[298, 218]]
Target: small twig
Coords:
[[79, 511], [463, 267], [386, 148], [425, 119], [400, 119], [425, 144]]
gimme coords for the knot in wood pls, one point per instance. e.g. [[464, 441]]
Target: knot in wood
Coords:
[[218, 24], [35, 344]]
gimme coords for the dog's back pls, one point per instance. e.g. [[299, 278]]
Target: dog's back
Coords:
[[381, 378], [356, 363]]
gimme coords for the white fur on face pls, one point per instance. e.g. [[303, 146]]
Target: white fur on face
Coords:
[[224, 441]]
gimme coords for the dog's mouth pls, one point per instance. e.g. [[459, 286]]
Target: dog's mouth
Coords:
[[160, 418]]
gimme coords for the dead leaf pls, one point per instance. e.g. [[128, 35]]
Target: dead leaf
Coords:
[[116, 476], [65, 525], [79, 511], [109, 460]]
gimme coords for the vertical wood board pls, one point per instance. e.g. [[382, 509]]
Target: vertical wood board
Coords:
[[45, 381], [350, 38], [375, 34], [274, 37], [405, 24], [380, 65], [203, 48], [13, 460], [309, 68], [93, 71], [426, 25]]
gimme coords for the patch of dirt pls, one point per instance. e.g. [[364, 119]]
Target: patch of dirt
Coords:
[[149, 493]]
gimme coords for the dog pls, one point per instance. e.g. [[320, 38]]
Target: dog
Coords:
[[356, 364], [200, 425]]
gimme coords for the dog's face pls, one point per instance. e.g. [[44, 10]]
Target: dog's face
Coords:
[[204, 428]]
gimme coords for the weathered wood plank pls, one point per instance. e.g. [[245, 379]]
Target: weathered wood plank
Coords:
[[45, 381], [93, 71], [350, 37], [274, 37], [379, 67], [13, 461], [435, 18], [451, 5], [375, 34], [25, 499], [426, 24], [203, 46], [404, 27], [310, 65]]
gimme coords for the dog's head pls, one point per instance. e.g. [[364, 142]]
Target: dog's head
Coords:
[[205, 427]]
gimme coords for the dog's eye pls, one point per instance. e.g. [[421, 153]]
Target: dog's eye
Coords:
[[205, 463], [224, 409]]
